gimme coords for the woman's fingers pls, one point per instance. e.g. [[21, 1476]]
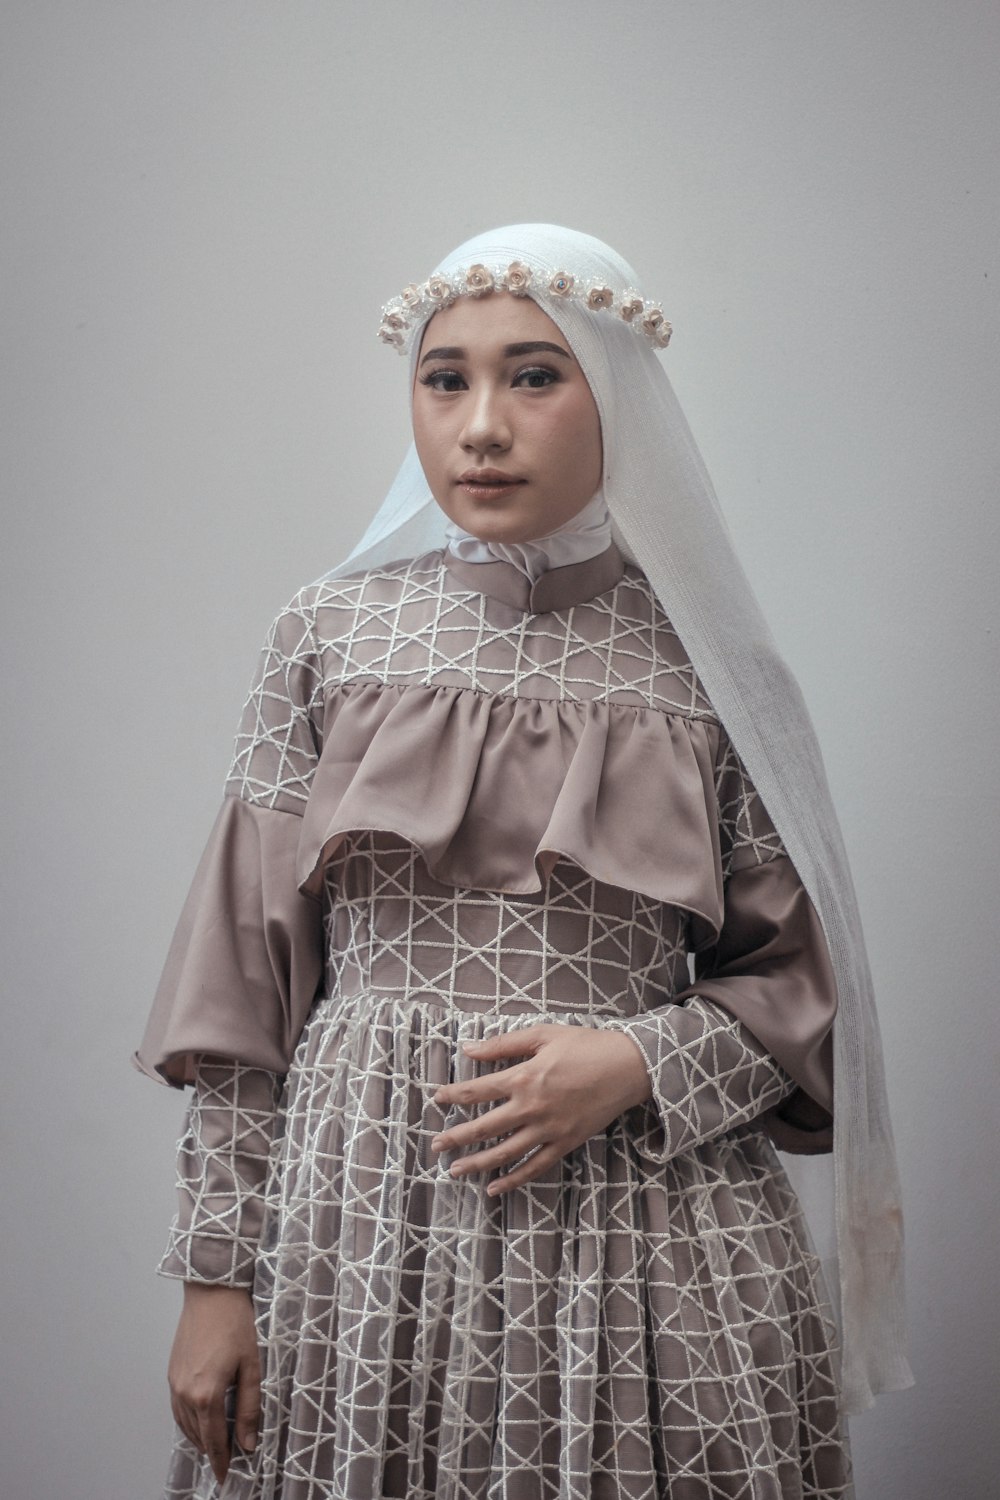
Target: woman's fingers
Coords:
[[527, 1171], [485, 1127], [248, 1405], [204, 1425], [215, 1436], [186, 1421], [473, 1091], [518, 1041], [514, 1146], [522, 1041]]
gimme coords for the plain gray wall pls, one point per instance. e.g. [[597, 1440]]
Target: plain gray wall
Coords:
[[204, 206]]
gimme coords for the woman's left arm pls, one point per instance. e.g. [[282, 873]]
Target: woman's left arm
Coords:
[[752, 1036], [691, 1070], [750, 1039]]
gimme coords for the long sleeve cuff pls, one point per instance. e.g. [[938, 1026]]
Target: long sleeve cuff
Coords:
[[222, 1163], [708, 1074]]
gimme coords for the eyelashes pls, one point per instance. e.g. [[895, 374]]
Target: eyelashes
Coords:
[[531, 378], [434, 378], [550, 377]]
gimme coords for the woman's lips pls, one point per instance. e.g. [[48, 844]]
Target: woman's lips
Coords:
[[488, 484]]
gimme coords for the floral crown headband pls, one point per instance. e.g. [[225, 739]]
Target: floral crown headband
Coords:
[[404, 314]]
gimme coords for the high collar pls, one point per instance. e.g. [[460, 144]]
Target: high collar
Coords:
[[557, 588]]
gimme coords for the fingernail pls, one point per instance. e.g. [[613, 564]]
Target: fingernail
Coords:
[[437, 1142], [470, 1046]]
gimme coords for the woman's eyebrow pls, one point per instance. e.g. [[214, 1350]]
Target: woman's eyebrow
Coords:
[[512, 351], [538, 346], [454, 353]]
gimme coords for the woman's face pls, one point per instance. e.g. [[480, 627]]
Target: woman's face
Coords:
[[503, 419]]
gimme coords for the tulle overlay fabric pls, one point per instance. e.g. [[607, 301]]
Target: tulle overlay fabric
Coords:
[[648, 1318]]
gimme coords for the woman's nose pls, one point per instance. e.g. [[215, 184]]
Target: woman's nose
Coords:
[[487, 428]]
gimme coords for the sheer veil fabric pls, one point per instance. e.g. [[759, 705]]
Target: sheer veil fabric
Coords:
[[666, 519]]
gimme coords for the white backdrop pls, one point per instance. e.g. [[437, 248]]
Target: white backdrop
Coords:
[[204, 206]]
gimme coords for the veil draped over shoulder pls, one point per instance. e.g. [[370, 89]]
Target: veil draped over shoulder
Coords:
[[666, 519]]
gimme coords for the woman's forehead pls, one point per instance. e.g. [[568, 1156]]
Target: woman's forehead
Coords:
[[484, 326]]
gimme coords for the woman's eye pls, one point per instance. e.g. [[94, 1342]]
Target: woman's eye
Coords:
[[535, 379], [443, 380]]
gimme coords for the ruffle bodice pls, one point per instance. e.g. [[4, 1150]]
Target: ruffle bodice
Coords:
[[405, 701], [493, 790], [498, 740]]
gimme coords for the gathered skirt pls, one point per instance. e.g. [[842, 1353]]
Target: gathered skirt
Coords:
[[615, 1330]]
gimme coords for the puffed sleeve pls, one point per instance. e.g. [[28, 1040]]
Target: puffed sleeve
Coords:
[[246, 959], [752, 1036]]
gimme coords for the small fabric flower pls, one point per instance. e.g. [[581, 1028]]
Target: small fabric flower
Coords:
[[405, 312], [600, 297], [517, 279], [440, 291], [479, 281]]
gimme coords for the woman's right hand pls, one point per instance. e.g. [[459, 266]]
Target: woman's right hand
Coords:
[[215, 1347]]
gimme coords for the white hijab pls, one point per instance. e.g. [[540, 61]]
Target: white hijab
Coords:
[[666, 519]]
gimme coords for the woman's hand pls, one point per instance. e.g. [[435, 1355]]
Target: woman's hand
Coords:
[[215, 1346], [575, 1081]]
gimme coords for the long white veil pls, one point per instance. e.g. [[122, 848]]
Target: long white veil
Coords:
[[666, 519]]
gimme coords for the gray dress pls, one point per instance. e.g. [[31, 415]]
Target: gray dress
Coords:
[[461, 803]]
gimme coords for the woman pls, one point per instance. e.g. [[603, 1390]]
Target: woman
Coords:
[[474, 1162]]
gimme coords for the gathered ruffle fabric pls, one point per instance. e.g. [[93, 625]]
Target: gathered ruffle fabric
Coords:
[[493, 790]]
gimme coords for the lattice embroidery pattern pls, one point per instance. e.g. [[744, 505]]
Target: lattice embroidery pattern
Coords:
[[222, 1159], [646, 1318], [393, 929], [413, 622], [411, 625], [747, 835]]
